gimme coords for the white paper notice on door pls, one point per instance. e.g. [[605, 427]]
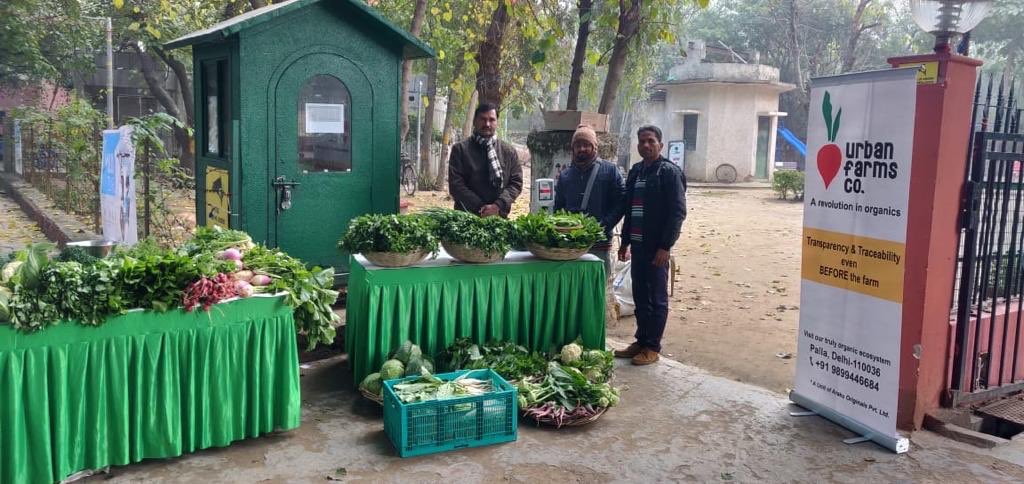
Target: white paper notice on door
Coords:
[[325, 118]]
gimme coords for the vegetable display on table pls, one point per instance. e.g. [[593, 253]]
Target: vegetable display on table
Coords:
[[563, 230], [390, 234], [216, 264], [461, 232]]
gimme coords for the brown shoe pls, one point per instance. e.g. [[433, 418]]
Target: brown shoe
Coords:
[[646, 357], [630, 351]]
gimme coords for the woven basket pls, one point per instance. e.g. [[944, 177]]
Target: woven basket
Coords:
[[395, 259], [469, 254], [378, 399], [570, 423], [555, 253]]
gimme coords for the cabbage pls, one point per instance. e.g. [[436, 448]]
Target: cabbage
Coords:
[[571, 352], [406, 352], [417, 364], [392, 369], [372, 383]]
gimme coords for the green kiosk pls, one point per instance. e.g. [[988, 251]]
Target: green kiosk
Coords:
[[296, 122]]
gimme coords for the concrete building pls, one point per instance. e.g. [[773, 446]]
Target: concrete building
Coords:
[[720, 118]]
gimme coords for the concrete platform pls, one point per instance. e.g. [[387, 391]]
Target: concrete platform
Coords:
[[675, 423]]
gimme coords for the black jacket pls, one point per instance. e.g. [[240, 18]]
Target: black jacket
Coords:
[[606, 197], [664, 204], [469, 177]]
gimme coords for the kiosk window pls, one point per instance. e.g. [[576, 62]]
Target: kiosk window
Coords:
[[325, 125], [215, 108]]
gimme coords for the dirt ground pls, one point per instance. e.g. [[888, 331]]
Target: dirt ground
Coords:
[[737, 291], [735, 308]]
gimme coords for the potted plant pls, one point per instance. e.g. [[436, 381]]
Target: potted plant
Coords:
[[389, 240], [559, 236], [473, 239]]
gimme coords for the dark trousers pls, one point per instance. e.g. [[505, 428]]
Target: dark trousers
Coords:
[[650, 294]]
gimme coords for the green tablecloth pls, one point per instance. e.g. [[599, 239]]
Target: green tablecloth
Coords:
[[144, 385], [539, 304]]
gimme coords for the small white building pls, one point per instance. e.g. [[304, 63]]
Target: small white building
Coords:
[[725, 115]]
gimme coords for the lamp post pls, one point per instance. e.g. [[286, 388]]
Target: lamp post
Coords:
[[110, 68], [946, 18]]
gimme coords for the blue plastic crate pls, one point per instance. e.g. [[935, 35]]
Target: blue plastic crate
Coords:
[[441, 425]]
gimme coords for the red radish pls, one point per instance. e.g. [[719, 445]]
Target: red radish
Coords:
[[829, 159]]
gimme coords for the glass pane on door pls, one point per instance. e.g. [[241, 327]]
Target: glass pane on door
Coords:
[[325, 126]]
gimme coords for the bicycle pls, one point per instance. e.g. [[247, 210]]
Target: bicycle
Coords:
[[408, 177]]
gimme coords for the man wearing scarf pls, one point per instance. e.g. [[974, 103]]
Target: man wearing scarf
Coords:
[[592, 186], [484, 175]]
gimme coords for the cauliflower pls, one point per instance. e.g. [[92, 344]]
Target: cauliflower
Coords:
[[10, 269], [571, 352]]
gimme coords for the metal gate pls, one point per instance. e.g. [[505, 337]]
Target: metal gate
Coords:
[[988, 303]]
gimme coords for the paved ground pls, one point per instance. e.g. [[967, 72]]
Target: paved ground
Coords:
[[675, 423], [16, 230]]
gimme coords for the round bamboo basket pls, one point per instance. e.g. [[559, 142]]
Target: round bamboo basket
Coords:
[[395, 259], [555, 253], [472, 255], [372, 397]]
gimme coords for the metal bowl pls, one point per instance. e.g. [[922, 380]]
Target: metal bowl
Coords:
[[95, 248]]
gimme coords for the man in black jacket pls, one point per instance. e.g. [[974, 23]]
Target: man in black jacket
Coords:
[[484, 175], [655, 210]]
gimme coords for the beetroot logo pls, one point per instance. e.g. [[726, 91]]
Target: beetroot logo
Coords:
[[829, 156]]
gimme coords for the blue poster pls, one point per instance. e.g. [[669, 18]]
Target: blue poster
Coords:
[[108, 172]]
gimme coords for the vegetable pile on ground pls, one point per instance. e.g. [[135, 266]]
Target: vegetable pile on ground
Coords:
[[486, 234], [390, 233], [36, 291], [560, 230], [572, 385], [513, 362], [405, 360]]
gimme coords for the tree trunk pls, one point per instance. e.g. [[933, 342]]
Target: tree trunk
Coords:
[[186, 157], [629, 25], [572, 100], [488, 76], [417, 26], [467, 126], [427, 136], [446, 128], [856, 29]]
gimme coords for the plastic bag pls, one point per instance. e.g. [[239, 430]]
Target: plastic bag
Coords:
[[622, 289]]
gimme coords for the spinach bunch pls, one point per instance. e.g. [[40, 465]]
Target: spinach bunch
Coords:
[[215, 239], [390, 233], [487, 234], [309, 291], [561, 230], [511, 361]]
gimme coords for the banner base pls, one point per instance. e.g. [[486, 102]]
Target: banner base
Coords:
[[898, 445]]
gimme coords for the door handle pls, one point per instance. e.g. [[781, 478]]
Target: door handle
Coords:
[[285, 186]]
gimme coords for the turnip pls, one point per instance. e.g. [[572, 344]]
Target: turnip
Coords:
[[238, 264], [243, 276], [231, 254], [244, 289], [260, 280]]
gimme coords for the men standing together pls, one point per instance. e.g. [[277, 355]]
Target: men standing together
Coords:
[[485, 177]]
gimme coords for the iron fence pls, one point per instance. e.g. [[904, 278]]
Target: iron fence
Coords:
[[987, 297]]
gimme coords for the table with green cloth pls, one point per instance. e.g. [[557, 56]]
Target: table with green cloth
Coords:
[[144, 385], [539, 304]]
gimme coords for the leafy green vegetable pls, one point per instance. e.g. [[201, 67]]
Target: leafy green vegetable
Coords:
[[511, 361], [392, 369], [428, 387], [389, 233], [568, 387], [487, 234], [310, 291], [560, 230], [215, 239], [76, 254]]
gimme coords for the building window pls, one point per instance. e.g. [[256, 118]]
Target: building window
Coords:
[[690, 131], [215, 108], [325, 125]]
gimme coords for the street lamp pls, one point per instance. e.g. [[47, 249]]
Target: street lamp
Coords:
[[946, 18]]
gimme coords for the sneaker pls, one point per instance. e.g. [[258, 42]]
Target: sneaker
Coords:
[[631, 351], [646, 356]]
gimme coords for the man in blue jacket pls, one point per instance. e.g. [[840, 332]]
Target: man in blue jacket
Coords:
[[656, 208], [592, 186]]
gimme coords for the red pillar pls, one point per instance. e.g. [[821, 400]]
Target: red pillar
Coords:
[[941, 133]]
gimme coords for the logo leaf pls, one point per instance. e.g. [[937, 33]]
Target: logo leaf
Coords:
[[826, 109], [835, 125]]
